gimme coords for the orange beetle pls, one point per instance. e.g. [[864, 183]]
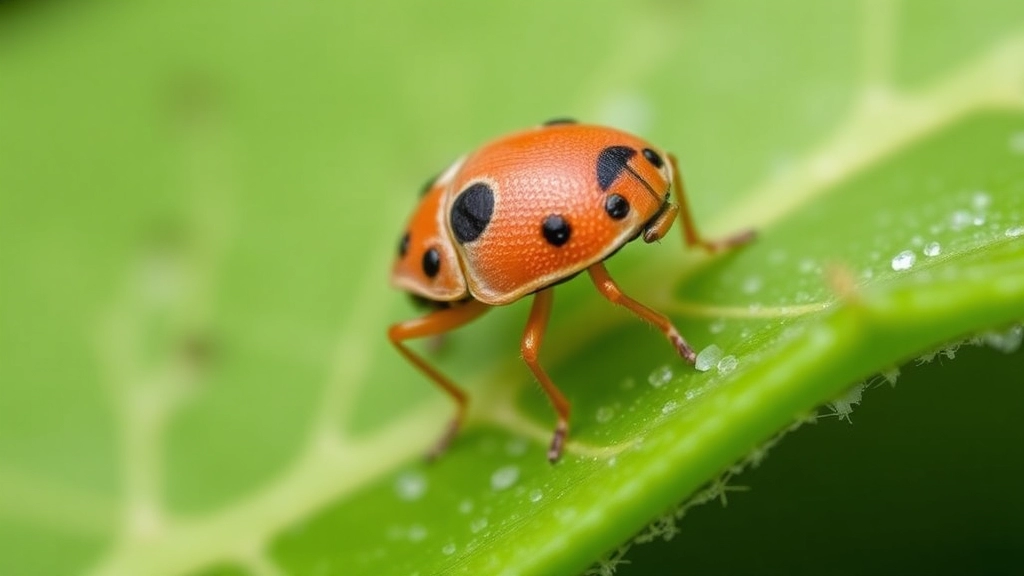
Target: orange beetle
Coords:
[[523, 213]]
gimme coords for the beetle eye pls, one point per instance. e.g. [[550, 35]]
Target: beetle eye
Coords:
[[653, 158]]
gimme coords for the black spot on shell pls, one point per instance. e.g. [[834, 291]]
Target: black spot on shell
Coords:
[[560, 121], [653, 158], [403, 245], [472, 211], [616, 206], [431, 262], [556, 230], [611, 162]]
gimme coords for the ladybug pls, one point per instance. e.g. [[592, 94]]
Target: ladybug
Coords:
[[522, 214]]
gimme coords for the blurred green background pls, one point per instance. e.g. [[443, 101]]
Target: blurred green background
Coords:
[[199, 202]]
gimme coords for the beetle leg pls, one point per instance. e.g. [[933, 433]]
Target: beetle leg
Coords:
[[690, 233], [532, 338], [657, 229], [610, 290], [435, 323]]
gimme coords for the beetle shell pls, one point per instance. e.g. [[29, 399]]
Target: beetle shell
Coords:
[[529, 210]]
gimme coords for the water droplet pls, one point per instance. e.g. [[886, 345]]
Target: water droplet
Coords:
[[979, 220], [752, 284], [916, 241], [536, 495], [504, 477], [448, 549], [604, 414], [670, 407], [960, 220], [727, 364], [1015, 232], [478, 525], [903, 261], [932, 249], [717, 326], [411, 486], [980, 200], [708, 358], [661, 376], [417, 533], [691, 394], [466, 506]]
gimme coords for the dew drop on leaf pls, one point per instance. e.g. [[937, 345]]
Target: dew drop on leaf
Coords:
[[504, 477], [661, 376], [411, 486], [448, 549], [604, 414], [536, 495], [932, 249], [466, 506], [727, 364], [980, 200], [1015, 232], [417, 533], [478, 525], [903, 261], [752, 284], [708, 358], [669, 407], [960, 220]]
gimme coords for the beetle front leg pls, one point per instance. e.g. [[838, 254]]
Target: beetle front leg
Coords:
[[690, 233], [435, 323], [610, 290]]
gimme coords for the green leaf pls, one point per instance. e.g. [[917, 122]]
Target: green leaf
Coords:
[[197, 236]]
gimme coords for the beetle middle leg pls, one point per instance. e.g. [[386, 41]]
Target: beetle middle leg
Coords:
[[532, 338], [434, 324], [610, 290]]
